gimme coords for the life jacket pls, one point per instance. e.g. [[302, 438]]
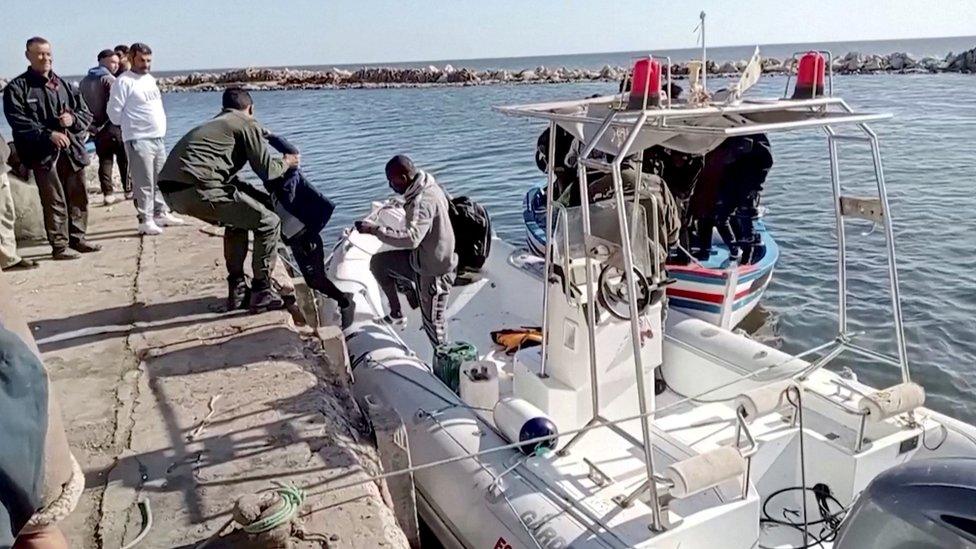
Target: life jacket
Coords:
[[513, 339], [472, 233]]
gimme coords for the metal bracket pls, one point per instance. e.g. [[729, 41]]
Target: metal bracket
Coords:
[[596, 475], [862, 208]]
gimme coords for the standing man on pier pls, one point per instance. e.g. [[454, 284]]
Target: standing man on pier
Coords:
[[124, 64], [50, 124], [136, 104], [427, 261], [200, 180], [96, 88]]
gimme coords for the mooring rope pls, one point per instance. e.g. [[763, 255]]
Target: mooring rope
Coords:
[[292, 498]]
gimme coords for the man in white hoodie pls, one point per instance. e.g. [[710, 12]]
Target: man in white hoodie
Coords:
[[136, 104]]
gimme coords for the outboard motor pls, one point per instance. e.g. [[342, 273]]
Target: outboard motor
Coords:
[[925, 504]]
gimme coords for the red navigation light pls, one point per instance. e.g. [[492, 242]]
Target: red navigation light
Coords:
[[810, 75], [645, 83]]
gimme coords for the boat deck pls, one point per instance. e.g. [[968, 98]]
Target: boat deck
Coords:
[[507, 295]]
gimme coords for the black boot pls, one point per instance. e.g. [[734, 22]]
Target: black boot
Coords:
[[728, 237], [237, 293], [347, 311], [704, 235], [264, 297]]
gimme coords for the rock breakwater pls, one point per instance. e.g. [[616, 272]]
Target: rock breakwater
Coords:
[[394, 77]]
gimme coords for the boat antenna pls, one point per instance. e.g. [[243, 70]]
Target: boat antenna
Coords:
[[700, 29]]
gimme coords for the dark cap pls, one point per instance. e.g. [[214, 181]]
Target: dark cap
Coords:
[[106, 53]]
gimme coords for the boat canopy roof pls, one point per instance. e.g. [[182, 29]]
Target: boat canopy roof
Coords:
[[689, 128]]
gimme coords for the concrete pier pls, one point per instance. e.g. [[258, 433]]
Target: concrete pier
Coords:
[[169, 399]]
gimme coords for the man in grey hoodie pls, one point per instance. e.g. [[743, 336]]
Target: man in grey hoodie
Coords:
[[426, 260], [95, 88]]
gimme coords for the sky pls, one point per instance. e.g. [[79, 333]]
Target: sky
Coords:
[[200, 34]]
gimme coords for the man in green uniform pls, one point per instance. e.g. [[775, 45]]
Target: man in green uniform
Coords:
[[200, 179]]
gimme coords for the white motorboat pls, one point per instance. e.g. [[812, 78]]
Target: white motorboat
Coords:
[[672, 432]]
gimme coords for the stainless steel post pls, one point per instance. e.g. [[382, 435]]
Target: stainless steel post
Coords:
[[841, 237], [892, 258], [623, 225], [590, 295], [551, 180], [704, 73]]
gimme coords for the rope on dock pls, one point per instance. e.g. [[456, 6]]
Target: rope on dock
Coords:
[[291, 498]]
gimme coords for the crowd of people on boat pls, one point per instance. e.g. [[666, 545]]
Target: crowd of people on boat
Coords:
[[696, 195]]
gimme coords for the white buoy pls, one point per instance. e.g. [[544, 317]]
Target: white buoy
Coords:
[[518, 420], [479, 385]]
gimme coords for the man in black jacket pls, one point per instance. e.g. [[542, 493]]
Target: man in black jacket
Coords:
[[50, 124]]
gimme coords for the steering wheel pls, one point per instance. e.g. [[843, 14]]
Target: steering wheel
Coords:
[[613, 294]]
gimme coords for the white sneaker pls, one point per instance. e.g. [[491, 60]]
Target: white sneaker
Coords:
[[149, 228], [169, 220], [110, 199]]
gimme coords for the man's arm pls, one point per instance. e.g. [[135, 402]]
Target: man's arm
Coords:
[[21, 122], [116, 102], [259, 157], [279, 143], [416, 228]]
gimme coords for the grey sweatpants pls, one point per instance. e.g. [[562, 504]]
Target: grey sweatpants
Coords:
[[8, 242], [146, 159], [391, 268]]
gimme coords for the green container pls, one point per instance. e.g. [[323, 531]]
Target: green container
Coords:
[[448, 359]]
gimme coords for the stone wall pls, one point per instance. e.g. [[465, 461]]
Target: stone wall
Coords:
[[29, 223], [390, 77]]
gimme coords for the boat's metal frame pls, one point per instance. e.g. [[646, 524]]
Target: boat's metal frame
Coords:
[[825, 112]]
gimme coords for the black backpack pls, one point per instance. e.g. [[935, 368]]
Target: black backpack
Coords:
[[472, 233]]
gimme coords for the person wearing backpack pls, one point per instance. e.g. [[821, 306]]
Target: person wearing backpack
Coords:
[[426, 259]]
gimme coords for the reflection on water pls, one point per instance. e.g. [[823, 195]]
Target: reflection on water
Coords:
[[346, 137], [760, 323]]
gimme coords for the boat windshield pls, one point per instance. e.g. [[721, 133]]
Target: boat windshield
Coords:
[[605, 242]]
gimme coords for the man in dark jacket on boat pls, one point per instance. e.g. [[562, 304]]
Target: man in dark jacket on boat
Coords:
[[669, 223], [427, 261], [200, 179], [731, 181]]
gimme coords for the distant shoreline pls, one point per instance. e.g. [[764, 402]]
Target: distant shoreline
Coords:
[[431, 76], [448, 76]]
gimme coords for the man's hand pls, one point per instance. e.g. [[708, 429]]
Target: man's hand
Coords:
[[60, 140], [67, 119], [292, 160], [366, 227]]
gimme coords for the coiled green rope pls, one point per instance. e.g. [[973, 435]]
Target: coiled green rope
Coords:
[[292, 498]]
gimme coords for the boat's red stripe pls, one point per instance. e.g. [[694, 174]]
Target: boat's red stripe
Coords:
[[703, 296], [704, 271]]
